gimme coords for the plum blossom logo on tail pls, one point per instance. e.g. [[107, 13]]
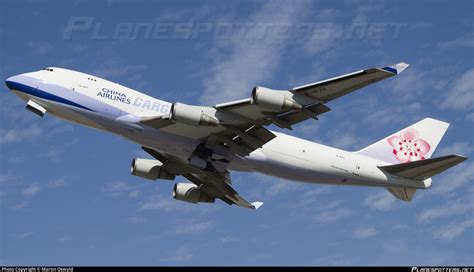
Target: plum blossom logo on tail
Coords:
[[408, 146]]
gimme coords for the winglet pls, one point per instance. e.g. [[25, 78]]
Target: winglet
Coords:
[[396, 68], [256, 204]]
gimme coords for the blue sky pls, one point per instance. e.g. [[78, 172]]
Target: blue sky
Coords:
[[67, 196]]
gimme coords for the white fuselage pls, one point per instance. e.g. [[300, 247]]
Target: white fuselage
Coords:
[[108, 106]]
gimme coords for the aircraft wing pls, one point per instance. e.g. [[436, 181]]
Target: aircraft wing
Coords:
[[308, 102], [240, 125], [311, 97], [214, 183]]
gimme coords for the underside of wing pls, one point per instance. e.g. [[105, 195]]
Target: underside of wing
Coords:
[[207, 184]]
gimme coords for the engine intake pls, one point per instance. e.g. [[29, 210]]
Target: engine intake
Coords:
[[274, 100], [191, 193], [192, 115], [150, 169]]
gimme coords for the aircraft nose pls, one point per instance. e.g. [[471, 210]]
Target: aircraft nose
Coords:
[[12, 81]]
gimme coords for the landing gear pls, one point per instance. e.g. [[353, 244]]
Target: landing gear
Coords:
[[212, 159]]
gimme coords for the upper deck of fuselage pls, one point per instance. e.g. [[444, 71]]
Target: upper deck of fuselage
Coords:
[[75, 86]]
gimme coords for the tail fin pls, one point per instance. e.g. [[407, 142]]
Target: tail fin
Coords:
[[416, 142], [408, 154]]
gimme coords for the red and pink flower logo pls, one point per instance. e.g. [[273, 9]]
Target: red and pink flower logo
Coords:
[[408, 146]]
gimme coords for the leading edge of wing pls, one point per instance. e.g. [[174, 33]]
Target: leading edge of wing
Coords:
[[394, 69]]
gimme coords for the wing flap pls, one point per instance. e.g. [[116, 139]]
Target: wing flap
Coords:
[[287, 119], [243, 140]]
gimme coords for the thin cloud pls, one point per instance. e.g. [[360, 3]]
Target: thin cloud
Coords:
[[31, 190], [466, 41], [40, 48], [278, 187], [380, 201], [331, 212], [364, 232], [133, 194], [56, 183], [21, 205], [461, 95], [453, 230], [333, 215], [228, 239], [55, 153], [25, 235], [311, 196], [194, 228], [233, 76], [182, 253], [119, 188], [461, 148], [167, 204], [454, 179], [115, 68], [19, 134], [136, 220], [453, 208]]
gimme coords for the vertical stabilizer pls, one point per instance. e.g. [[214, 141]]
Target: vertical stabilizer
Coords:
[[416, 142]]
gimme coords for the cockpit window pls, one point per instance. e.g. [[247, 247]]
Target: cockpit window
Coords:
[[48, 69]]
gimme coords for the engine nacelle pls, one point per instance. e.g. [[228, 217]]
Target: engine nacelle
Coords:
[[190, 193], [274, 100], [150, 169], [191, 115], [35, 108]]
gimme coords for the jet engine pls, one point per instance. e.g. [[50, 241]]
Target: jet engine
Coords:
[[191, 115], [191, 193], [273, 99], [150, 169]]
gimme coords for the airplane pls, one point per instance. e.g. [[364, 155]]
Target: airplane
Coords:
[[204, 143]]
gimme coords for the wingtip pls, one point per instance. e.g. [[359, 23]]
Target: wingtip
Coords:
[[257, 204], [396, 68], [401, 66]]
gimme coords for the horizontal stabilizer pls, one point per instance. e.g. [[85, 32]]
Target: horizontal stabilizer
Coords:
[[423, 169]]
